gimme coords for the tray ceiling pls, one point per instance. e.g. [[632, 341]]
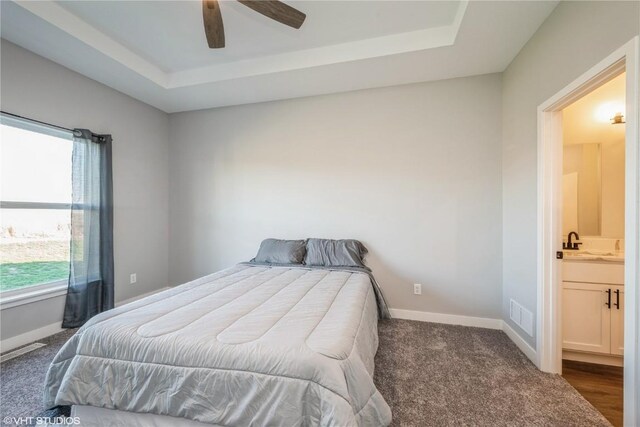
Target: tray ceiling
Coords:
[[157, 52]]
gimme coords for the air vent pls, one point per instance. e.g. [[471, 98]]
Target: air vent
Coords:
[[20, 351], [521, 317]]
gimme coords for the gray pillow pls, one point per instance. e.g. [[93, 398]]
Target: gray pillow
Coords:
[[275, 251], [335, 253]]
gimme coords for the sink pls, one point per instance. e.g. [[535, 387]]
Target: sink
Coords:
[[593, 252], [595, 255]]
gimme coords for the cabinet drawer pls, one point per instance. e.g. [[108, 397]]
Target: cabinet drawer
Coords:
[[593, 272]]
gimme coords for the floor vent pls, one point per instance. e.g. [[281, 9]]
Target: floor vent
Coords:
[[20, 351]]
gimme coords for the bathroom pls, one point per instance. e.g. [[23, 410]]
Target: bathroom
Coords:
[[593, 224]]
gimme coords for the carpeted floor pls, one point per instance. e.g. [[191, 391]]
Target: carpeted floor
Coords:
[[22, 379], [441, 375], [430, 374]]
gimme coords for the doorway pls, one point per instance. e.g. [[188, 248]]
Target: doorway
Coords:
[[550, 215], [593, 208]]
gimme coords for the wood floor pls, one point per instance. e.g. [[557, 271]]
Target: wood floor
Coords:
[[601, 385]]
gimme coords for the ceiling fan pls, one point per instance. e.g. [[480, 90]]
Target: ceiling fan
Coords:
[[276, 10]]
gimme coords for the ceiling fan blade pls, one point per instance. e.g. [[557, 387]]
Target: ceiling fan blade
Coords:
[[277, 11], [213, 26]]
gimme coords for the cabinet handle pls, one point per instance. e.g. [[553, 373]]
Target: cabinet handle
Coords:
[[608, 303], [617, 304]]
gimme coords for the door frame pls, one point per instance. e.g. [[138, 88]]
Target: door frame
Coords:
[[549, 316]]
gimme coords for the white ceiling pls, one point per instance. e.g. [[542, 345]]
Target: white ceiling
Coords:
[[157, 52], [170, 33]]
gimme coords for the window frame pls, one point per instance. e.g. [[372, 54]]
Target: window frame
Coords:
[[29, 294], [41, 291]]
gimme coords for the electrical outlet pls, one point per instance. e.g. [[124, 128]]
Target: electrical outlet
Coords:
[[417, 289], [133, 278]]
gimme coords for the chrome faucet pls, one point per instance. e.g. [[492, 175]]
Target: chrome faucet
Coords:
[[571, 246]]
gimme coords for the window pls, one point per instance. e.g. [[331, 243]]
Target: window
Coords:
[[35, 206]]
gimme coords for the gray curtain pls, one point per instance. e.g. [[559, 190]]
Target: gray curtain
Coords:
[[91, 275]]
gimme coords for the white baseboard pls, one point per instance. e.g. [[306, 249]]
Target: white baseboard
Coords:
[[449, 319], [54, 328], [31, 336], [524, 346], [478, 322]]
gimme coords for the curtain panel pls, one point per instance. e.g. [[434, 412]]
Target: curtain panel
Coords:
[[91, 277]]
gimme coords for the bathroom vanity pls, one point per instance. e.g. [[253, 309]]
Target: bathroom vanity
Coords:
[[593, 306]]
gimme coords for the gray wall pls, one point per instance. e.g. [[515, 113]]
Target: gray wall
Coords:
[[438, 179], [413, 171], [575, 37], [38, 88]]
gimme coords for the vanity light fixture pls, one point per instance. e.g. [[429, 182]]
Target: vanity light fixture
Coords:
[[618, 119]]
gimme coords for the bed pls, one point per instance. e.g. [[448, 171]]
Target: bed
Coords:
[[249, 345]]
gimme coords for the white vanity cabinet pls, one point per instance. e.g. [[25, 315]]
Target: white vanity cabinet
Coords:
[[593, 307]]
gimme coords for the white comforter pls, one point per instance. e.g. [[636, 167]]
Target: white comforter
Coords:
[[250, 345]]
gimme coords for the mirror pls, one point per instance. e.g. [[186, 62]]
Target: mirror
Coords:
[[593, 189], [582, 189]]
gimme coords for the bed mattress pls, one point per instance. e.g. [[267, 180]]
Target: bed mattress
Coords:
[[250, 345]]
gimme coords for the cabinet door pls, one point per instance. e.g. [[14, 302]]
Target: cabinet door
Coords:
[[617, 322], [586, 319]]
